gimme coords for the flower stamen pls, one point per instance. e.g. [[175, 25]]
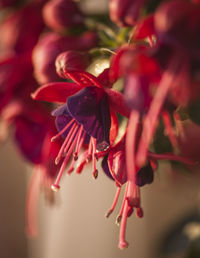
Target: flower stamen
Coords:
[[65, 143], [62, 131], [114, 202]]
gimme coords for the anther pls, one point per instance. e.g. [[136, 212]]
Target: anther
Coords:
[[95, 173], [123, 244], [88, 158], [139, 212], [55, 187], [57, 160], [96, 156], [118, 220], [70, 170], [108, 213], [75, 156]]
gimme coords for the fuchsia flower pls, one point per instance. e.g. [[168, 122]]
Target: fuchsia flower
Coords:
[[125, 13], [16, 46], [115, 166], [50, 46], [33, 129], [88, 116], [161, 77], [179, 61], [21, 29], [61, 15], [149, 92]]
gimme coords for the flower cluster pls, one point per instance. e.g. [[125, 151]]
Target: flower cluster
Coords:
[[48, 50]]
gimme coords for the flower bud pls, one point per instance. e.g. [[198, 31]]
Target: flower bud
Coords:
[[50, 46], [62, 14], [125, 13], [71, 61]]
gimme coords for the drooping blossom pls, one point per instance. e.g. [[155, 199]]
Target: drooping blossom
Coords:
[[16, 46], [71, 61], [114, 165], [16, 35], [61, 15], [33, 129], [88, 116], [178, 59], [50, 46], [125, 13]]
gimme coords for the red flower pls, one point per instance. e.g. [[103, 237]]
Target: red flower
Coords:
[[87, 117], [50, 46], [61, 15], [21, 29], [116, 164], [33, 130], [125, 13]]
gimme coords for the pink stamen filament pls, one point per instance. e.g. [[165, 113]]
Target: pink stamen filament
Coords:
[[80, 140], [114, 202], [171, 156], [73, 138], [32, 201], [151, 120], [55, 186], [122, 207], [59, 156], [170, 130], [122, 241], [130, 155], [83, 162], [62, 131], [90, 148], [81, 137]]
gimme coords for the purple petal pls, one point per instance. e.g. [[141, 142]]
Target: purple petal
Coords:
[[29, 136], [90, 108], [62, 110], [105, 167], [61, 122], [145, 175]]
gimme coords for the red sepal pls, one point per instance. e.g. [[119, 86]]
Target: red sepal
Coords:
[[145, 28], [117, 102], [114, 126], [56, 92], [83, 78]]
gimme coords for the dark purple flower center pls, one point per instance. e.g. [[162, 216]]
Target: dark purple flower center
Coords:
[[89, 108], [85, 118]]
